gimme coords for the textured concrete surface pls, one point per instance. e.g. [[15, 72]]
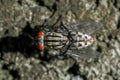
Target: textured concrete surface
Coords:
[[20, 62]]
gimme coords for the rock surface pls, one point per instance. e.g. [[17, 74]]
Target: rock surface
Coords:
[[19, 62]]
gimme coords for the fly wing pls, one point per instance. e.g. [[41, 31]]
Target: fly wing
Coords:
[[86, 53], [86, 27]]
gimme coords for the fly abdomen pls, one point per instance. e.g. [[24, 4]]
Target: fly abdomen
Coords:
[[55, 40]]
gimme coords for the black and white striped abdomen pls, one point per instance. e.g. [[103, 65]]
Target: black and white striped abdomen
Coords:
[[55, 40]]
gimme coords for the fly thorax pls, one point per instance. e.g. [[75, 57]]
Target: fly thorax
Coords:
[[55, 40]]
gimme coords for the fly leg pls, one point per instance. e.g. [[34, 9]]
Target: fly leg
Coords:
[[62, 54], [47, 23], [65, 28], [62, 26], [66, 54]]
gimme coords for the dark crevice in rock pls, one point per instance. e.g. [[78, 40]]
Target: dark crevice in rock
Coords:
[[115, 3], [1, 56], [19, 2], [118, 23], [5, 66], [52, 7], [2, 2], [41, 2], [97, 3], [7, 31], [84, 77], [110, 37], [99, 49], [14, 72], [74, 69]]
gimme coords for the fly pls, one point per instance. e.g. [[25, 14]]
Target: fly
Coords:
[[72, 40]]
